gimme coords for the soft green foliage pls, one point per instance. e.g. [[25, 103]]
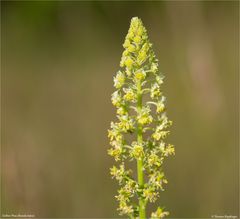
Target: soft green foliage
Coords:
[[141, 114]]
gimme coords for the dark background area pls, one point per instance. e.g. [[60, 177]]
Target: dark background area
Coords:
[[58, 63]]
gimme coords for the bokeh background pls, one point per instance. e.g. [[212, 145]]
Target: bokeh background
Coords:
[[58, 63]]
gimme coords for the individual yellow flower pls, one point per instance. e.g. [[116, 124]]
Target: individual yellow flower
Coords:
[[160, 107], [144, 117], [154, 67], [150, 194], [169, 150], [130, 95], [130, 35], [119, 173], [129, 62], [157, 135], [142, 55], [125, 209], [131, 48], [159, 213], [121, 111], [155, 91], [137, 151], [139, 75], [116, 99], [126, 123], [140, 31], [159, 79], [126, 43], [154, 160], [115, 152], [119, 80], [137, 39], [157, 179]]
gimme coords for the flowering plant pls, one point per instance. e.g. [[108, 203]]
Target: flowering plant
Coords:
[[142, 127]]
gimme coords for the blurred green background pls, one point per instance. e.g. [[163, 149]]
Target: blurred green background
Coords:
[[58, 63]]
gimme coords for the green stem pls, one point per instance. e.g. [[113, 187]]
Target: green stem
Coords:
[[142, 209]]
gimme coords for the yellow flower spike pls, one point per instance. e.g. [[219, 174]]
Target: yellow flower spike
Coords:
[[136, 83]]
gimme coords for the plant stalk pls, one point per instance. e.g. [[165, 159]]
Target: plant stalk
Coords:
[[142, 209]]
